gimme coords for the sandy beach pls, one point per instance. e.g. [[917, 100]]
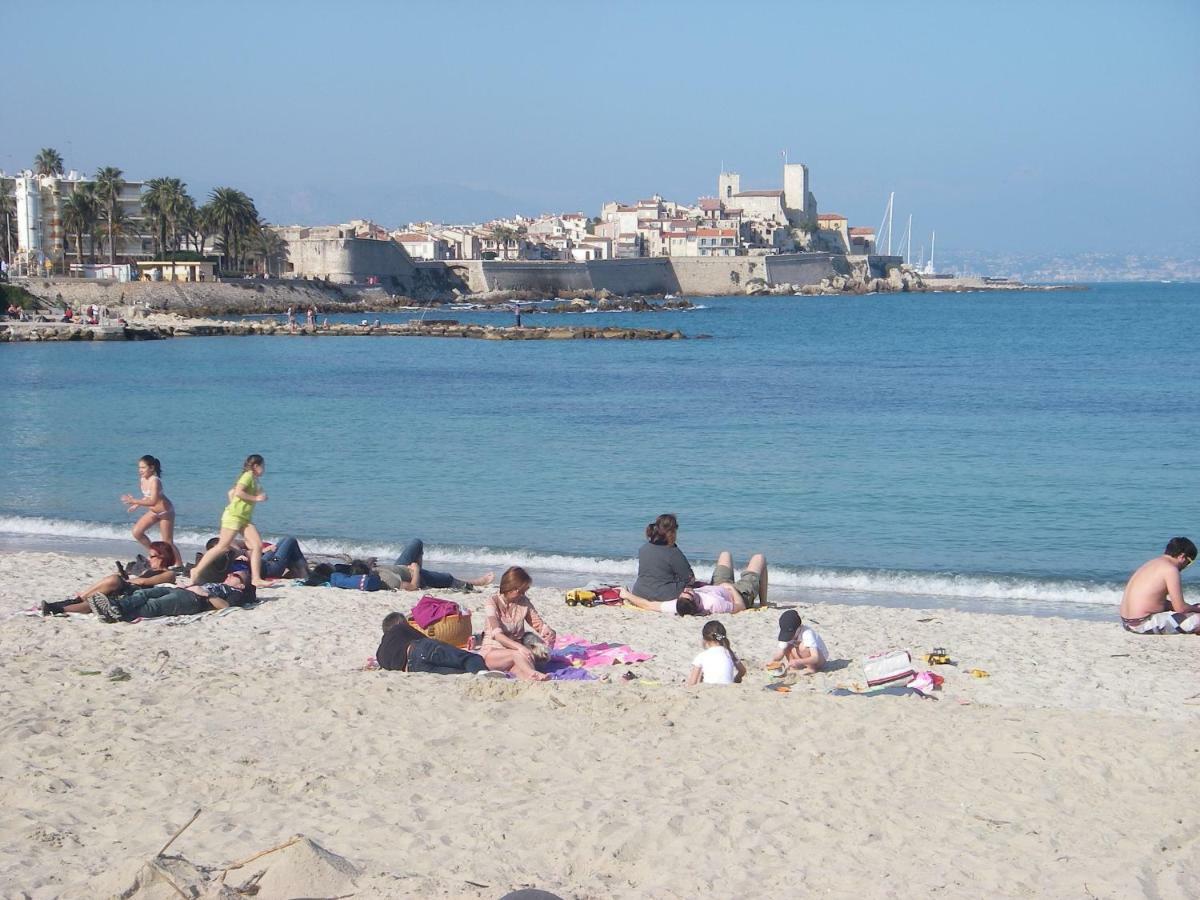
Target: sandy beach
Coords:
[[1061, 774]]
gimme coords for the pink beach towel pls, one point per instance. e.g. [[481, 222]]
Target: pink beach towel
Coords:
[[579, 651]]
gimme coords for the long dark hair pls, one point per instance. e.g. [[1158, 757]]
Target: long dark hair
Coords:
[[153, 463], [254, 459], [662, 530], [714, 632], [686, 605]]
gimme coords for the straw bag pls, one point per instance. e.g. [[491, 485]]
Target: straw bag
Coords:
[[453, 630]]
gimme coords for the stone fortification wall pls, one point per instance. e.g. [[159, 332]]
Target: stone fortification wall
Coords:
[[707, 276], [634, 276], [805, 268], [351, 260], [697, 276], [536, 276]]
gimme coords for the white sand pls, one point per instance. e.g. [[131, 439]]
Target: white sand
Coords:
[[1067, 773]]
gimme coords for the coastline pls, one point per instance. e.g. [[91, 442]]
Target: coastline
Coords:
[[1032, 779]]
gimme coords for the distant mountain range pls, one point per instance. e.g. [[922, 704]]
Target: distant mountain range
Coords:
[[1071, 267]]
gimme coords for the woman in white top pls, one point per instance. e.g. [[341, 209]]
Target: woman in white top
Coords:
[[716, 664]]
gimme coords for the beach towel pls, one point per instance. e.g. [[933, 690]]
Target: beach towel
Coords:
[[576, 651]]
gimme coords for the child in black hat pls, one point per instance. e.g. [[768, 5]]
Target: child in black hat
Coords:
[[799, 646]]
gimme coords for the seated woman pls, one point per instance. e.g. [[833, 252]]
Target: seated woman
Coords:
[[663, 570], [724, 595], [404, 649], [161, 557], [507, 613], [408, 575]]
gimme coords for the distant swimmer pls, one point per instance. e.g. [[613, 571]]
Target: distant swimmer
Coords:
[[1153, 599]]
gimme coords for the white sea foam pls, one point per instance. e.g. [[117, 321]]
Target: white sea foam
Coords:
[[896, 585]]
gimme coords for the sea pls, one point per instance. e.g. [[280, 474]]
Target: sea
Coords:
[[1016, 452]]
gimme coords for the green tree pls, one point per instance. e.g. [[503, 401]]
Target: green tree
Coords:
[[268, 247], [109, 182], [81, 212], [164, 202], [8, 222], [231, 214], [48, 162]]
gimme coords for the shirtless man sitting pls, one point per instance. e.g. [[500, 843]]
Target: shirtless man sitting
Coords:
[[1153, 599]]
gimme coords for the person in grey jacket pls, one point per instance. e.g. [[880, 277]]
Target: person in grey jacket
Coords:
[[663, 570]]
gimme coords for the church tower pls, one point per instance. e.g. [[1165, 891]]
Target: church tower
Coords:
[[728, 184]]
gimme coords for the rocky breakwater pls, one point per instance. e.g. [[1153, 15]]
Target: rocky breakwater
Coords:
[[164, 327]]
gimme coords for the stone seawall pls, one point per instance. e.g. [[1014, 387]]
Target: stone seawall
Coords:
[[243, 296], [695, 276]]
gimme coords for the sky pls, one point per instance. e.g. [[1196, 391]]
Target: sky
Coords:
[[1008, 126]]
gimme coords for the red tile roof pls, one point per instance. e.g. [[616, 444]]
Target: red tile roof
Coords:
[[863, 232], [710, 203], [715, 232], [831, 217]]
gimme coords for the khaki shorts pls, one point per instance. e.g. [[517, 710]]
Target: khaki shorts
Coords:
[[747, 585]]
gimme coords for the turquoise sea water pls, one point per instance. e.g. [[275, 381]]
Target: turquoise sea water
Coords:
[[1012, 450]]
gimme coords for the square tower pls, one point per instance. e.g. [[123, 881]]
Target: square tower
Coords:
[[796, 197], [728, 184]]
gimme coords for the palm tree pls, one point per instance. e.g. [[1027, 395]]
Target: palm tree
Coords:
[[48, 162], [108, 189], [8, 213], [190, 224], [266, 245], [154, 207], [232, 214], [81, 212], [163, 202]]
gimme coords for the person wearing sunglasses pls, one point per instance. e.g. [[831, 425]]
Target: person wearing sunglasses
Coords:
[[1153, 600]]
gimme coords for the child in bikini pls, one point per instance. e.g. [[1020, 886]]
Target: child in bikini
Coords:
[[235, 520], [158, 508]]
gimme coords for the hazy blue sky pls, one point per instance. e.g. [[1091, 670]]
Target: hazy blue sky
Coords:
[[1008, 126]]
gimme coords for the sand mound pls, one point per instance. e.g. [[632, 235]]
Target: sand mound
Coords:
[[299, 868], [161, 879], [302, 869]]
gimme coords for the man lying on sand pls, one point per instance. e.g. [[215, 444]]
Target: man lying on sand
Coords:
[[165, 600], [724, 595], [408, 573], [404, 649], [1144, 606]]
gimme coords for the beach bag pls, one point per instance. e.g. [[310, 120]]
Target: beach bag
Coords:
[[369, 582], [431, 609], [884, 668], [454, 630]]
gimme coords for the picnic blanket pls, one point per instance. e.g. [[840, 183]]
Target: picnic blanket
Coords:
[[573, 651]]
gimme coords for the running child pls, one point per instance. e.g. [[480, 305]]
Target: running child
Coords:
[[159, 509], [235, 520], [716, 664]]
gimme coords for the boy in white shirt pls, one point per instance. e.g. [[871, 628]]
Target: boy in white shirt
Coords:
[[799, 646]]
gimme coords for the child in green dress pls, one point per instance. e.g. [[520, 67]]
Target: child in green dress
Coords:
[[235, 520]]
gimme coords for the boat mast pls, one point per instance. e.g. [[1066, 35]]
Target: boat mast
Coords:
[[887, 222]]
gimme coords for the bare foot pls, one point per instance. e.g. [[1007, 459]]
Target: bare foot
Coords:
[[484, 580], [265, 582]]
